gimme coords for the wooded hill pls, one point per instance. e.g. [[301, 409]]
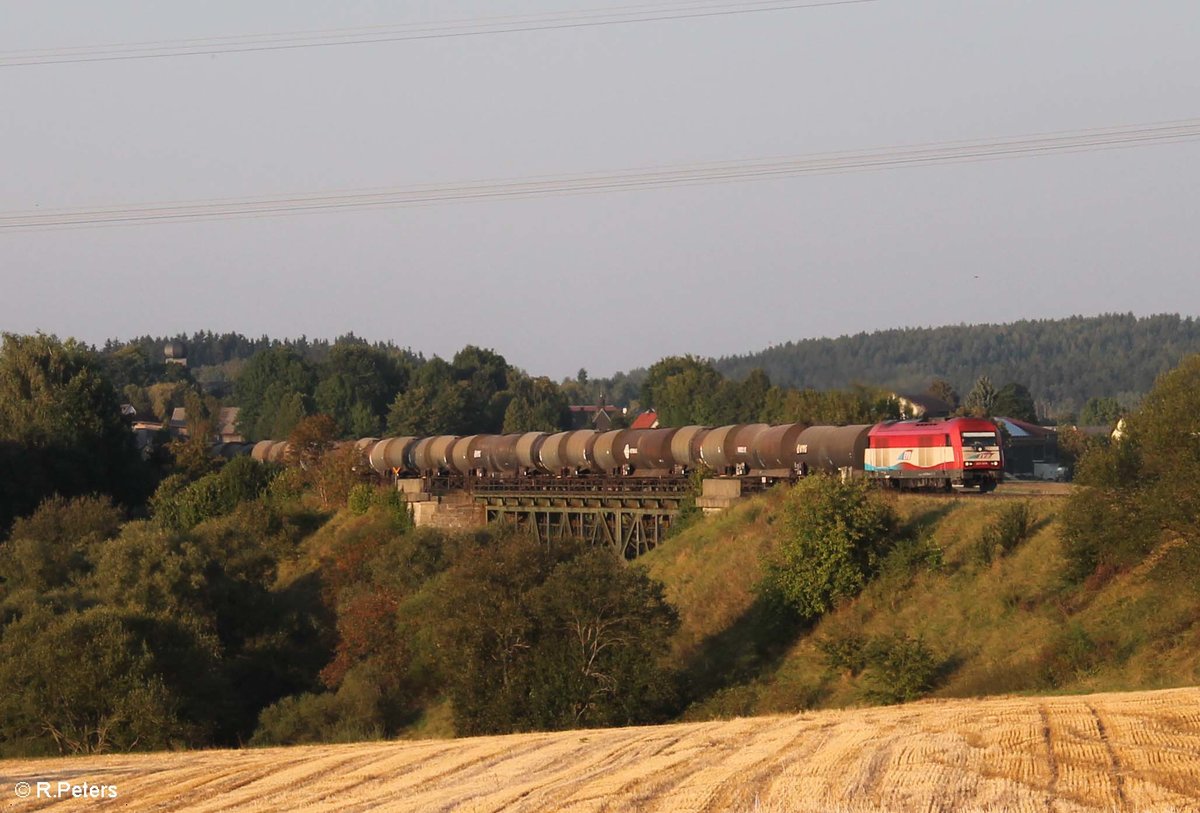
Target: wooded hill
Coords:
[[1063, 362]]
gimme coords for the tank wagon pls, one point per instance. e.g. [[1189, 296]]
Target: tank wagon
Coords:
[[940, 453]]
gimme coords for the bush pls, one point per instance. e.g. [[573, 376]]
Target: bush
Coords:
[[51, 547], [846, 652], [1003, 536], [900, 669], [101, 680], [835, 535], [910, 556], [361, 498], [180, 506], [1103, 530], [355, 712], [1071, 656]]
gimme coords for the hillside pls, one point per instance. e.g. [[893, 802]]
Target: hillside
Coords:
[[1009, 625], [1093, 753], [1064, 362]]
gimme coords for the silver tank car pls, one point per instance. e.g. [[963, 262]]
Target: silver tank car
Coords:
[[569, 452], [432, 454], [616, 451], [727, 449], [390, 455], [528, 449]]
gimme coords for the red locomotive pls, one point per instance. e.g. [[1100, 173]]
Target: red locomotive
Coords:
[[944, 453]]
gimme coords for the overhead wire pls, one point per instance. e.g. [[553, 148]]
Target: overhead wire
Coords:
[[583, 18], [918, 155]]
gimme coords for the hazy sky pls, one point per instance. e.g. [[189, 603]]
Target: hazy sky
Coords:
[[619, 279]]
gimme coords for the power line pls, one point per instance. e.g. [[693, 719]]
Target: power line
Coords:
[[589, 18], [618, 181]]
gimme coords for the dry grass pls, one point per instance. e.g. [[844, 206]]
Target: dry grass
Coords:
[[1138, 751]]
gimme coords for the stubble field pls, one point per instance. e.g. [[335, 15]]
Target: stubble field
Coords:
[[1135, 751]]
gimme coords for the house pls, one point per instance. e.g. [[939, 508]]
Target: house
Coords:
[[1030, 450], [647, 420], [599, 417], [226, 431]]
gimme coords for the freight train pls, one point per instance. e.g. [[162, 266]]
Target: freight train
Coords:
[[937, 453]]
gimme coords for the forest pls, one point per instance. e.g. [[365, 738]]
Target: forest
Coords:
[[1064, 362]]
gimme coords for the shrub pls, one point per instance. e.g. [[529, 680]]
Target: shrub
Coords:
[[51, 547], [835, 534], [355, 712], [361, 498], [847, 651], [180, 506], [900, 668], [1103, 530], [1071, 656], [1010, 529], [101, 680], [910, 556]]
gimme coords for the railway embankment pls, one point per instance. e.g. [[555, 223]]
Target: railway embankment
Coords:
[[946, 615]]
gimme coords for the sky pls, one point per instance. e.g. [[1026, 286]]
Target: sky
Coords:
[[609, 280]]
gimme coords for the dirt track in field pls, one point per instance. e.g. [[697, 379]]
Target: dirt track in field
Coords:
[[1111, 752]]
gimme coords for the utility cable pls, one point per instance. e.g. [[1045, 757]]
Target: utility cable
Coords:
[[587, 18], [616, 181]]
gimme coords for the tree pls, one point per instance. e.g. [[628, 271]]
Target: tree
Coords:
[[604, 628], [1100, 412], [751, 397], [282, 415], [981, 400], [357, 384], [326, 469], [687, 390], [1166, 433], [1142, 490], [537, 405], [1015, 401], [835, 534], [273, 391], [944, 390], [128, 366], [164, 396], [99, 680], [537, 637], [53, 546], [61, 429]]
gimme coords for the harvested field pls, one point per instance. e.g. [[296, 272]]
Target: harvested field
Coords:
[[1125, 752]]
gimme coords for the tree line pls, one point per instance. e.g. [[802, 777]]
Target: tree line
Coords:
[[1065, 362]]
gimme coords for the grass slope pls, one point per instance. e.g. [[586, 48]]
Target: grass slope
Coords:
[[999, 627]]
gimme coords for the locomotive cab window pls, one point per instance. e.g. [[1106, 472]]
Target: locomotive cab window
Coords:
[[981, 440]]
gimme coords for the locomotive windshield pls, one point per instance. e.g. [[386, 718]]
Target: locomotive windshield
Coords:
[[980, 441]]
